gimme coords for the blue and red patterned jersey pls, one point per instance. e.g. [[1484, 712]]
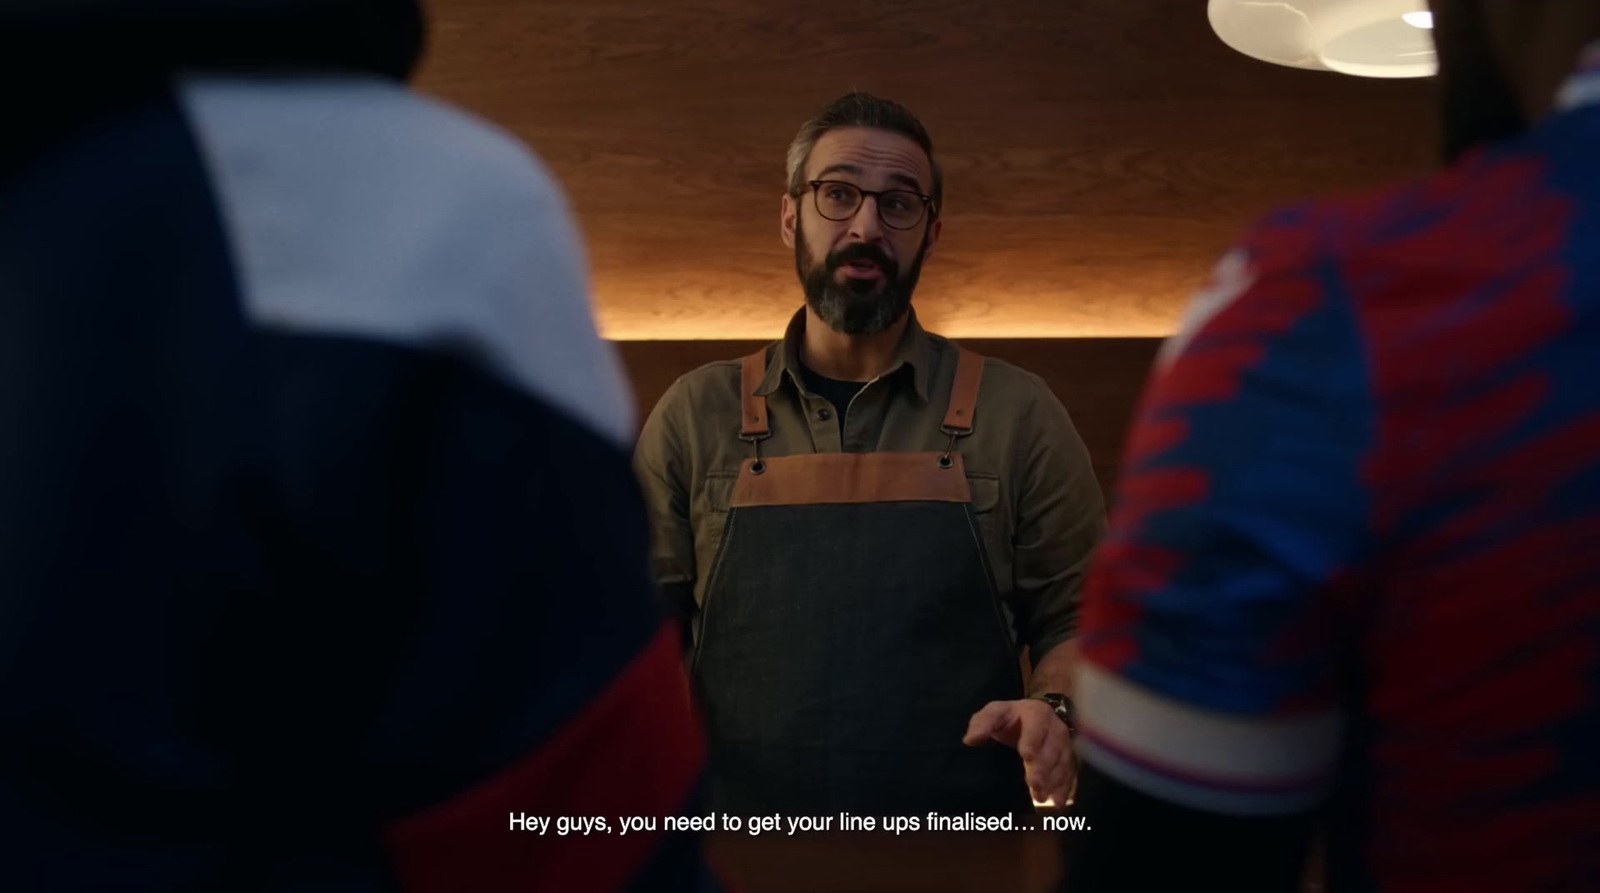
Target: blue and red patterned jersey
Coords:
[[1355, 559]]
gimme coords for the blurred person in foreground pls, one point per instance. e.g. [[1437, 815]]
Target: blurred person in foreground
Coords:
[[321, 561], [1353, 576]]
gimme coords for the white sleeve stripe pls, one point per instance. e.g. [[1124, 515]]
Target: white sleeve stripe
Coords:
[[1111, 751], [1188, 745], [1207, 799]]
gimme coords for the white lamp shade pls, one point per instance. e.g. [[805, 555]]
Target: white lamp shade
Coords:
[[1366, 38]]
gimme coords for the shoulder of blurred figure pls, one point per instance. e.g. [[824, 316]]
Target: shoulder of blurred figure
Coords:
[[357, 207]]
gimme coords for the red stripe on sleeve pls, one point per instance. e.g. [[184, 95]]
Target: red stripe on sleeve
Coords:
[[637, 750]]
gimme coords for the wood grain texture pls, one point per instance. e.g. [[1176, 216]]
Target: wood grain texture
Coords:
[[1098, 380], [1100, 154]]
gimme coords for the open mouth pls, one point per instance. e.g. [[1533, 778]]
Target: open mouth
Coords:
[[862, 269]]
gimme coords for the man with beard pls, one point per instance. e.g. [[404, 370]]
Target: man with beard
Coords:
[[864, 523], [1353, 573]]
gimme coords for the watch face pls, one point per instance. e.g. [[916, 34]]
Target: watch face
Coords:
[[1065, 711]]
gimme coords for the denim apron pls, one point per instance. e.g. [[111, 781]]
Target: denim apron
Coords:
[[850, 629]]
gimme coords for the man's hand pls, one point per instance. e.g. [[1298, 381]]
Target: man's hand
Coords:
[[1041, 739]]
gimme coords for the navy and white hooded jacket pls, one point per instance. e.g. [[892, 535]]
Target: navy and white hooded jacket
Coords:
[[321, 563]]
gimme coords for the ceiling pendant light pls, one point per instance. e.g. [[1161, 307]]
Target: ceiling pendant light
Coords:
[[1366, 38]]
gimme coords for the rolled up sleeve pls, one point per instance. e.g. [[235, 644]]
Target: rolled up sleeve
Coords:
[[660, 463], [1060, 518]]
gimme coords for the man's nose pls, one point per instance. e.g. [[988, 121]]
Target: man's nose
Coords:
[[866, 225]]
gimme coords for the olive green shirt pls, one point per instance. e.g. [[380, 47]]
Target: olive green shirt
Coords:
[[1034, 492]]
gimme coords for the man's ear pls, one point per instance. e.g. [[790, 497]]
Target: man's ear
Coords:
[[786, 219]]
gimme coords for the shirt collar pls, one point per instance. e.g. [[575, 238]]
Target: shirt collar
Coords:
[[915, 350], [1583, 88]]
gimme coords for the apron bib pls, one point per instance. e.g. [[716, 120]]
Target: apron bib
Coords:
[[850, 630]]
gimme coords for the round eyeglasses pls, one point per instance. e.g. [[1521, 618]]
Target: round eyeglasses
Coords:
[[898, 208]]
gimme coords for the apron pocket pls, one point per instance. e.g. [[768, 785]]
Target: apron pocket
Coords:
[[985, 490], [995, 534]]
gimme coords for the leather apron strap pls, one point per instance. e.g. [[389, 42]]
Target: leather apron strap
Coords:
[[964, 396], [751, 373]]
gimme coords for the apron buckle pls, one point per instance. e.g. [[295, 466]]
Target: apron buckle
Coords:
[[945, 461], [759, 466]]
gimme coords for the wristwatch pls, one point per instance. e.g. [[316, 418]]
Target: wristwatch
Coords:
[[1064, 710]]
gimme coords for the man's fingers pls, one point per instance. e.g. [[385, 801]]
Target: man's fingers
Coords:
[[1038, 774], [1052, 774], [983, 726], [1066, 783], [1044, 777], [1035, 734], [1060, 779], [1052, 787]]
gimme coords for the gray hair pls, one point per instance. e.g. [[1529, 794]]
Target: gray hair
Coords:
[[861, 110]]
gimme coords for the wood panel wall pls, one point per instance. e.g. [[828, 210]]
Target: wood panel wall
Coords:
[[1099, 380], [1100, 154]]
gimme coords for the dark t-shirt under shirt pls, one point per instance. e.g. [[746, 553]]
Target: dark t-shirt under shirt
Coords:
[[837, 392]]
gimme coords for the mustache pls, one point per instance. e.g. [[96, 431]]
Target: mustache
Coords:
[[861, 251]]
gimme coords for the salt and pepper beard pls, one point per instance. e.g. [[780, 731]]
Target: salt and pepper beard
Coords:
[[856, 306]]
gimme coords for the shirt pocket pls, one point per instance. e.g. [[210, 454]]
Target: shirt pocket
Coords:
[[718, 495]]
